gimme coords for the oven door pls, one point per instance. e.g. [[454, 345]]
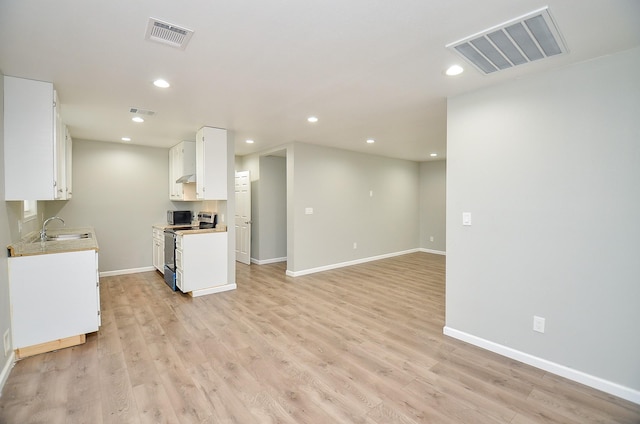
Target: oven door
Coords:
[[170, 259]]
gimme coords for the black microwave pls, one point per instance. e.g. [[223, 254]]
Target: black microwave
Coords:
[[178, 217]]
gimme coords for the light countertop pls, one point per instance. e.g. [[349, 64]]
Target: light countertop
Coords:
[[31, 245]]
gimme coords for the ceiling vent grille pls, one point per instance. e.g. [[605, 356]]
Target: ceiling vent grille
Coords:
[[169, 34], [139, 111], [522, 40]]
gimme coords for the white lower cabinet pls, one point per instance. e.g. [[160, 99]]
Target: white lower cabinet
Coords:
[[158, 249], [201, 262], [53, 297]]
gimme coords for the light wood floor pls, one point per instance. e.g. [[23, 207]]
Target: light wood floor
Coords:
[[362, 344]]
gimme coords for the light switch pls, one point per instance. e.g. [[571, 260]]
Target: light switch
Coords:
[[466, 218], [308, 211]]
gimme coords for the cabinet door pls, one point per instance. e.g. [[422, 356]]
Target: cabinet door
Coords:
[[204, 261], [158, 249], [200, 163], [60, 156], [53, 296], [98, 292], [211, 164], [68, 164], [174, 171], [182, 158], [29, 140]]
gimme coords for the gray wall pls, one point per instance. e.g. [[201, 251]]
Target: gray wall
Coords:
[[273, 208], [336, 184], [549, 167], [433, 205], [268, 205], [121, 190]]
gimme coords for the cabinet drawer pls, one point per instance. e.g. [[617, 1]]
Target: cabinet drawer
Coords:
[[179, 259], [179, 278], [179, 242]]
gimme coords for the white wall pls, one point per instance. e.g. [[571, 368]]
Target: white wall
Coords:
[[336, 184], [433, 205], [5, 239], [549, 167]]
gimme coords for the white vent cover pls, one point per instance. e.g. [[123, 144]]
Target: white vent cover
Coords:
[[522, 40], [139, 111], [166, 33]]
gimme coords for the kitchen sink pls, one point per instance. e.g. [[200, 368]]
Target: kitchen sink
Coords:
[[73, 236]]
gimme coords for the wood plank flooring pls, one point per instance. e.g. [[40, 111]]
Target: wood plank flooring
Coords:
[[362, 344]]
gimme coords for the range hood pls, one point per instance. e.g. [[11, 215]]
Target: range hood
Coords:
[[186, 179]]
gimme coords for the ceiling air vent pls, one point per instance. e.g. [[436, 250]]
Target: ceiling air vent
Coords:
[[166, 33], [522, 40], [138, 111]]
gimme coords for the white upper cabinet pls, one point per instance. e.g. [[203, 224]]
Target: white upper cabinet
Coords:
[[68, 164], [34, 142], [182, 163], [211, 164]]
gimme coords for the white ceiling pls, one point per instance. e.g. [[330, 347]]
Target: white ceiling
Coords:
[[365, 68]]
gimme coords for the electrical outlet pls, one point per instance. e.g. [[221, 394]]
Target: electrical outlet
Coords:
[[7, 342], [355, 245], [431, 238], [538, 324]]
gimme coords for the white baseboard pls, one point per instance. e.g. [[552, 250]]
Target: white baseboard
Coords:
[[268, 261], [6, 370], [212, 290], [126, 271], [348, 263], [435, 252], [581, 377]]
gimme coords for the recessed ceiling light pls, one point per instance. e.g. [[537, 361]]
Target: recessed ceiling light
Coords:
[[433, 155], [137, 119], [249, 141], [312, 119], [126, 139], [161, 83], [370, 141], [454, 70]]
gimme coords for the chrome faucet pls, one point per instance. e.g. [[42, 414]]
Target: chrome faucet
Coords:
[[43, 232]]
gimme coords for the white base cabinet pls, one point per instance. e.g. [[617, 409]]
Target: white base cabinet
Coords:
[[201, 261], [158, 249], [53, 296]]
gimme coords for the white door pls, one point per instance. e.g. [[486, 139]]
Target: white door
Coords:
[[243, 217]]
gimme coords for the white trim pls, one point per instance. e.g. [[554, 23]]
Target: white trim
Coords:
[[435, 252], [348, 263], [211, 290], [606, 386], [268, 261], [6, 370], [127, 271]]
